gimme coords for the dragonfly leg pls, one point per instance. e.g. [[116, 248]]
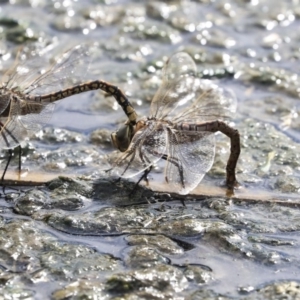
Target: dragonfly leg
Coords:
[[178, 165], [143, 177], [20, 161], [10, 154], [145, 160]]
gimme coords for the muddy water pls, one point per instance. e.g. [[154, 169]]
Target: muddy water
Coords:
[[83, 235]]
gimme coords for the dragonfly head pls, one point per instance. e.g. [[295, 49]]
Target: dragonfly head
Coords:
[[122, 137]]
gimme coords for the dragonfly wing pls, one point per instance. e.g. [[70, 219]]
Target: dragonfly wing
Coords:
[[211, 103], [11, 133], [4, 101], [33, 74], [37, 115], [190, 156], [146, 148], [176, 90], [16, 127]]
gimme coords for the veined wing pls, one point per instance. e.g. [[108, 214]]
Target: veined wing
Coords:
[[16, 127], [5, 99], [177, 86], [190, 156], [212, 103], [35, 115], [34, 75], [146, 148]]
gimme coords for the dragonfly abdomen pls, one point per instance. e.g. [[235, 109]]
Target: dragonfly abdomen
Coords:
[[89, 86], [209, 126], [232, 133], [213, 126]]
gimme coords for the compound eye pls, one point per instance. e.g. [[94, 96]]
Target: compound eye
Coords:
[[122, 137]]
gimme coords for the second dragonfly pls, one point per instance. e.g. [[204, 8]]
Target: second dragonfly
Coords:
[[28, 93]]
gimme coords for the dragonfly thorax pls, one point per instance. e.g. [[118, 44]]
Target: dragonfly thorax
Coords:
[[122, 138], [141, 124], [151, 123]]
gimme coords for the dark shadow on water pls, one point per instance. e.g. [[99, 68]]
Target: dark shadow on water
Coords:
[[121, 192]]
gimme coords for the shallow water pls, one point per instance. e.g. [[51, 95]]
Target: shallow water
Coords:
[[75, 239]]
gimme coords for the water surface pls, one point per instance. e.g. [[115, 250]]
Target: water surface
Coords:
[[75, 238]]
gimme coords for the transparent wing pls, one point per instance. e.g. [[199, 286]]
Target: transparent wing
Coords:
[[32, 74], [11, 134], [4, 101], [37, 115], [16, 127], [177, 86], [190, 156], [211, 103], [146, 148]]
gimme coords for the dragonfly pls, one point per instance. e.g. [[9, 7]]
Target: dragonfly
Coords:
[[185, 113], [29, 90]]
